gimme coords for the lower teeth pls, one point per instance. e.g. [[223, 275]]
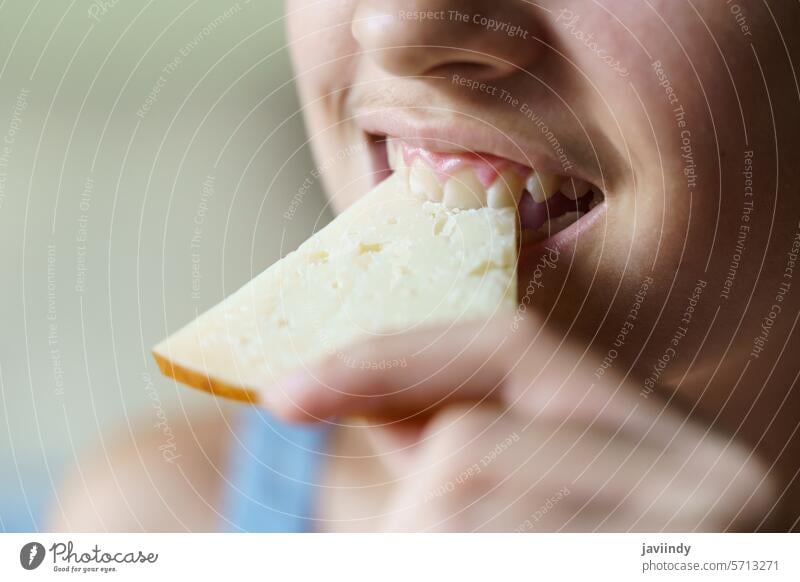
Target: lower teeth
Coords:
[[559, 223]]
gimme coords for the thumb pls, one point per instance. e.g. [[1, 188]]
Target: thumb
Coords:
[[404, 374]]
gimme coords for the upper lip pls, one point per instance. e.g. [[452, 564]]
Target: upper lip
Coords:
[[424, 128]]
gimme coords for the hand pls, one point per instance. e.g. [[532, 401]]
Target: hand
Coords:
[[521, 436]]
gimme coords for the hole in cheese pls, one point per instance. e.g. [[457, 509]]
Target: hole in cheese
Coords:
[[365, 248]]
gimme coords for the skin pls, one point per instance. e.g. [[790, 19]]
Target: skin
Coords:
[[621, 132], [713, 444], [131, 484]]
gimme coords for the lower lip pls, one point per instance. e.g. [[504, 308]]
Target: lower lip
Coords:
[[530, 254]]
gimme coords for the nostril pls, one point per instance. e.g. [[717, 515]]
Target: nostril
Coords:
[[411, 43]]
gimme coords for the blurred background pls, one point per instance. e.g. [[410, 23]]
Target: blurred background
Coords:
[[148, 151]]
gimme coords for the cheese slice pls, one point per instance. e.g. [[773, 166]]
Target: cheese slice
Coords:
[[389, 264]]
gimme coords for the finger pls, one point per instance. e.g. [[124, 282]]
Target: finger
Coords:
[[403, 374], [531, 367]]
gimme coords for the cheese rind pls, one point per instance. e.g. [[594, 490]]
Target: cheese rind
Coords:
[[388, 264]]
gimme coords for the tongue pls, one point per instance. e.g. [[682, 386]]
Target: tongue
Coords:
[[533, 214]]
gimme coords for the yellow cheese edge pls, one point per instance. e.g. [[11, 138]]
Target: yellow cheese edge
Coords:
[[205, 382]]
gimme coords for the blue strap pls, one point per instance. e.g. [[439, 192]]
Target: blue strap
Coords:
[[273, 479]]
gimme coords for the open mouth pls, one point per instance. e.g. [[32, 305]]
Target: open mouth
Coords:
[[547, 203]]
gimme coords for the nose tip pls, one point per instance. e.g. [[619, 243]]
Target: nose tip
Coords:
[[488, 40]]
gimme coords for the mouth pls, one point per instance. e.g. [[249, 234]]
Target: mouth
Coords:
[[551, 207]]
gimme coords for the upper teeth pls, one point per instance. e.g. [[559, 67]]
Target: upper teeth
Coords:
[[574, 188], [464, 190], [423, 181], [542, 185], [505, 191]]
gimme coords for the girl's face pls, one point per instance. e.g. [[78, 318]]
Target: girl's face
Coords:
[[680, 117]]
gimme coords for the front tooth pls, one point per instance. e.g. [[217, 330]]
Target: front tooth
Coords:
[[423, 181], [505, 191], [463, 190], [542, 185], [574, 188]]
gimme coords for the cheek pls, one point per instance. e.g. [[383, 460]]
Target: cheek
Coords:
[[341, 156], [322, 49], [319, 43]]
